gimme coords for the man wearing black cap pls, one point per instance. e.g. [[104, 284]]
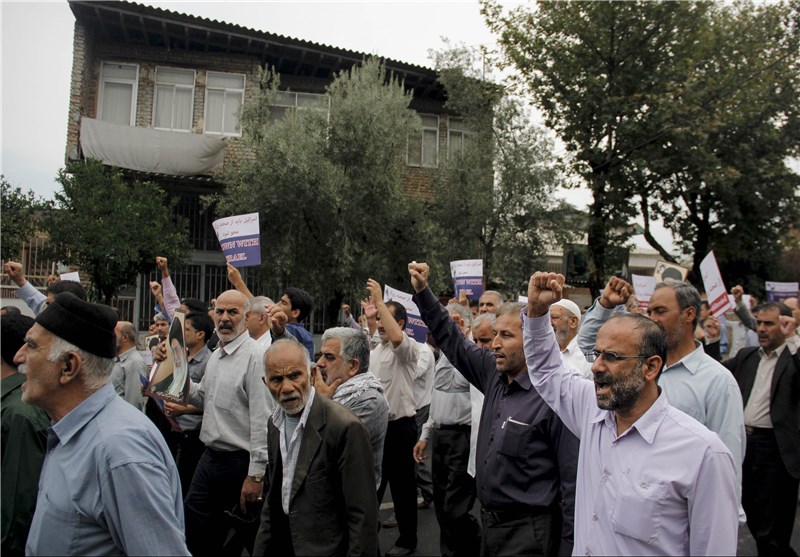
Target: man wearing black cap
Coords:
[[23, 432], [108, 476]]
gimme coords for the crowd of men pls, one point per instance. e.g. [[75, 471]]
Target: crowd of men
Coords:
[[616, 431]]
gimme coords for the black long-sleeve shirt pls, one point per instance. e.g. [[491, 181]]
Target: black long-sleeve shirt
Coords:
[[526, 458]]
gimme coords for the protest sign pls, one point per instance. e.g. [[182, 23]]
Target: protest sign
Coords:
[[467, 277], [73, 276], [667, 270], [643, 287], [718, 301], [239, 237], [415, 327], [779, 291]]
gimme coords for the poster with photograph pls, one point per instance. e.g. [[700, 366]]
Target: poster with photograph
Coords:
[[467, 278], [666, 270], [169, 379], [415, 328], [240, 239]]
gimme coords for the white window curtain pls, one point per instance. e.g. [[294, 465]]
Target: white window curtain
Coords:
[[424, 150], [174, 99], [224, 97], [118, 93]]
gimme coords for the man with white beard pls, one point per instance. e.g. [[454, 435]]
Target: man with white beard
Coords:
[[322, 500]]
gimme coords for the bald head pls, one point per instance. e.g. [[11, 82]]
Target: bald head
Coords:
[[229, 315]]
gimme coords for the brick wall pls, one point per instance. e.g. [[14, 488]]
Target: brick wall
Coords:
[[89, 51]]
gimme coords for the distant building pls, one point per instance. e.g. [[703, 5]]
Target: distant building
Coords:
[[156, 93]]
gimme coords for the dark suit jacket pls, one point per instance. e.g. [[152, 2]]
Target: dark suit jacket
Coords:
[[332, 508], [784, 407]]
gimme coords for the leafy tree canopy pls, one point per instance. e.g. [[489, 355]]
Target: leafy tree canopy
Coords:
[[327, 183], [112, 228], [20, 211]]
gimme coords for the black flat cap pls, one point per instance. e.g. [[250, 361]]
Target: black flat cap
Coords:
[[86, 325]]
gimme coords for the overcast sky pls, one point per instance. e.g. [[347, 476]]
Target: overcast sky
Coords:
[[37, 60]]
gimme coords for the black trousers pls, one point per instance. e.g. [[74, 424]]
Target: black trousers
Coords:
[[424, 481], [212, 505], [188, 451], [454, 492], [399, 475], [769, 494], [531, 532]]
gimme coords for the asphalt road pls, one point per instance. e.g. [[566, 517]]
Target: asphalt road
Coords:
[[428, 533]]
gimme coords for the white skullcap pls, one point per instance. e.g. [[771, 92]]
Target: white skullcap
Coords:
[[570, 306]]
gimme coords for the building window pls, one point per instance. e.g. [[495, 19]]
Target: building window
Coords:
[[286, 101], [174, 99], [224, 99], [423, 150], [457, 137], [117, 100]]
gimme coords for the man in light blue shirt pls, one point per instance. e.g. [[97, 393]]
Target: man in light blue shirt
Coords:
[[694, 382], [108, 485], [651, 480]]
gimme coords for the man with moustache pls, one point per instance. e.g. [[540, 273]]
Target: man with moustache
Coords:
[[322, 500], [565, 317], [526, 459], [694, 382], [230, 475], [342, 374], [769, 379], [652, 480]]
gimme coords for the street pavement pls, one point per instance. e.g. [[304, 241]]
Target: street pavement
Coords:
[[428, 532]]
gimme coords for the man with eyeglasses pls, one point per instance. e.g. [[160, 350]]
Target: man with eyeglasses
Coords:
[[694, 382], [651, 479]]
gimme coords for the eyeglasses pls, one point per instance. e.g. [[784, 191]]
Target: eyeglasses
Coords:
[[610, 357]]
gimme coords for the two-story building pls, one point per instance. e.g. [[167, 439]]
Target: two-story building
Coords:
[[158, 93]]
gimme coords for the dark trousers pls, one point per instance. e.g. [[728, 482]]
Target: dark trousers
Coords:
[[188, 451], [215, 489], [398, 473], [454, 492], [534, 532], [769, 494], [424, 482]]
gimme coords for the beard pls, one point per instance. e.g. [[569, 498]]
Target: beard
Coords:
[[294, 403], [623, 390]]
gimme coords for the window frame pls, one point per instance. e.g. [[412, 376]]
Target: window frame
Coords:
[[241, 91], [134, 83], [463, 132], [174, 85], [422, 144]]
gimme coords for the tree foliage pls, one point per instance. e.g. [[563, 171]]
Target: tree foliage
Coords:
[[20, 211], [112, 228], [680, 110], [494, 200], [328, 186]]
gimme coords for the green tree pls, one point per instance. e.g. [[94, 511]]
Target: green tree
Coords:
[[327, 183], [20, 211], [112, 228], [727, 151], [599, 71], [494, 199], [674, 110]]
